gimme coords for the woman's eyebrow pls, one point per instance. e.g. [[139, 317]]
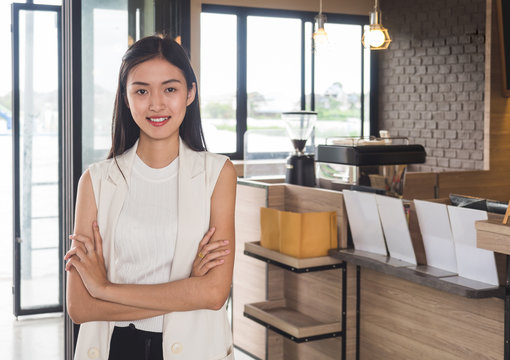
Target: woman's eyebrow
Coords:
[[170, 81], [163, 83], [139, 83]]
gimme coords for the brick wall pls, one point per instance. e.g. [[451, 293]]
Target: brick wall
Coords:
[[432, 79]]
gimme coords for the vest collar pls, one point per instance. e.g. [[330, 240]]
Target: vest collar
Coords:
[[189, 167]]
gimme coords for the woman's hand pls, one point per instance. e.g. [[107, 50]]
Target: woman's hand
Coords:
[[87, 257], [209, 254]]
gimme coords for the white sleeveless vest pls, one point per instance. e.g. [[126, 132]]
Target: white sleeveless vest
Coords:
[[187, 335]]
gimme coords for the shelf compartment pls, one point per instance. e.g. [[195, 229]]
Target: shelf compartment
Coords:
[[296, 326], [290, 263]]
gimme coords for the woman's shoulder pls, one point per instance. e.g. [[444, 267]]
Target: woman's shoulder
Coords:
[[214, 156], [100, 168], [214, 161], [214, 164]]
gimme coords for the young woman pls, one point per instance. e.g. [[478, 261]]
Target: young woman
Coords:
[[151, 262]]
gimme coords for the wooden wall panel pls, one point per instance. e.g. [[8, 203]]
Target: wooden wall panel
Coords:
[[323, 350], [420, 185], [403, 320], [318, 293], [249, 283]]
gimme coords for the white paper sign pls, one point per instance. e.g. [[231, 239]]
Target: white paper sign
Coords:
[[472, 263], [396, 230], [364, 221], [436, 234]]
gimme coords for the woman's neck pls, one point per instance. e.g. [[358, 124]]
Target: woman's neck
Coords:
[[157, 153]]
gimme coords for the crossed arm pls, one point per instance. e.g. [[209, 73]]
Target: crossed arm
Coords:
[[91, 297]]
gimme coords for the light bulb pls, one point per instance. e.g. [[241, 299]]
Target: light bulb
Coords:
[[375, 38], [320, 36]]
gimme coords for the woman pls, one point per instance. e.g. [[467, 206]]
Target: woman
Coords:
[[143, 279]]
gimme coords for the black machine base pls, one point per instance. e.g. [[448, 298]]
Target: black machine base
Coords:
[[301, 170]]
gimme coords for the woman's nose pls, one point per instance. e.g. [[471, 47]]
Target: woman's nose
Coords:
[[157, 103]]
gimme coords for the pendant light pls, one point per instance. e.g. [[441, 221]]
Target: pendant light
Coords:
[[320, 36], [376, 36]]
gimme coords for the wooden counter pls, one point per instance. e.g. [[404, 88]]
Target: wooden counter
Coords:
[[392, 312], [493, 235], [407, 314]]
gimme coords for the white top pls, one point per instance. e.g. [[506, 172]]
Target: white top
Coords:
[[146, 231]]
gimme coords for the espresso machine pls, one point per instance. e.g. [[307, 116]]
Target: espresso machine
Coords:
[[300, 167], [367, 164]]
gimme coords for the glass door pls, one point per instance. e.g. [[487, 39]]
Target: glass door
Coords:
[[37, 156]]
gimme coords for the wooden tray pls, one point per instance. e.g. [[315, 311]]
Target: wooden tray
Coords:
[[277, 314], [255, 248]]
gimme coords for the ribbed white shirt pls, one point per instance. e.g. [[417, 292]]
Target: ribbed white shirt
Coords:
[[146, 231]]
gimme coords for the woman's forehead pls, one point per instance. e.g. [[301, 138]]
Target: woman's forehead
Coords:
[[155, 71]]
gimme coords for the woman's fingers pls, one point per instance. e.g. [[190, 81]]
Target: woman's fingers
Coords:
[[73, 262], [76, 245], [204, 269], [210, 261], [209, 254], [89, 245], [211, 247], [98, 241], [85, 240], [215, 254], [73, 255], [208, 235]]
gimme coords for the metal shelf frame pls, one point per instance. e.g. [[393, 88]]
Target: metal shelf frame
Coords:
[[343, 266]]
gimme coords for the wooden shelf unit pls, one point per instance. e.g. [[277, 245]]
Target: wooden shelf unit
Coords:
[[280, 315], [313, 287]]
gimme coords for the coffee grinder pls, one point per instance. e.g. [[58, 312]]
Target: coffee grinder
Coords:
[[300, 166]]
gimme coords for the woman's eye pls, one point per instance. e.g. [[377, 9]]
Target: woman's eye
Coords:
[[170, 89], [141, 92]]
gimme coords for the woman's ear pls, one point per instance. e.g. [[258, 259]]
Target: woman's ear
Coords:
[[191, 94]]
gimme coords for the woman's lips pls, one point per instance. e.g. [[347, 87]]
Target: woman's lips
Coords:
[[158, 121]]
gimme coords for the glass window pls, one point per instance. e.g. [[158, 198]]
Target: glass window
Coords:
[[101, 59], [39, 159], [273, 81], [366, 89], [273, 69], [280, 71], [101, 56], [218, 80], [308, 65], [5, 140], [338, 83]]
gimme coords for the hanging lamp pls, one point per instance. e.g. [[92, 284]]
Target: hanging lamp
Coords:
[[376, 36], [320, 36]]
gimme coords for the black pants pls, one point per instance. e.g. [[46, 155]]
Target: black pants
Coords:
[[129, 343]]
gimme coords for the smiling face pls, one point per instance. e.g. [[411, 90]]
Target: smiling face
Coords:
[[157, 96]]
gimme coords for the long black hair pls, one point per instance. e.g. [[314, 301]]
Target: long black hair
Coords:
[[125, 131]]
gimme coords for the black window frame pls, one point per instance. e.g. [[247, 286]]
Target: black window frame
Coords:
[[305, 16]]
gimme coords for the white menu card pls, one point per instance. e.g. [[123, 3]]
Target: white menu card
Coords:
[[437, 235], [363, 215]]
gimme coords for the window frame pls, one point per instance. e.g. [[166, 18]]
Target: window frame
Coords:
[[242, 14]]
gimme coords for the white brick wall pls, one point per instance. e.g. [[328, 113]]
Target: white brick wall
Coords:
[[432, 79]]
